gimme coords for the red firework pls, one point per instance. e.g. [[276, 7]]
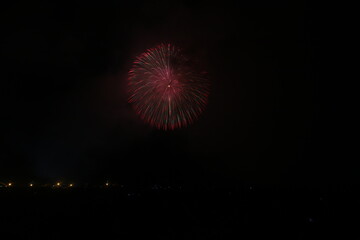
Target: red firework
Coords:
[[164, 88]]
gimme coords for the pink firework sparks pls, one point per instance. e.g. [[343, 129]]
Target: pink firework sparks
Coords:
[[164, 89]]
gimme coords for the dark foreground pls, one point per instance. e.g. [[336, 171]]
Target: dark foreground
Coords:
[[115, 213]]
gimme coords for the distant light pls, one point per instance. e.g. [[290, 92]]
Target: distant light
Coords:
[[107, 184], [31, 185], [58, 184], [10, 184], [70, 185]]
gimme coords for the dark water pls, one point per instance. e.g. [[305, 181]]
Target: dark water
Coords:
[[257, 213]]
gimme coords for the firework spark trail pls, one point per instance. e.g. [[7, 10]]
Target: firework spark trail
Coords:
[[164, 90]]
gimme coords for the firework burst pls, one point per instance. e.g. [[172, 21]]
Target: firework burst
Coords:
[[164, 88]]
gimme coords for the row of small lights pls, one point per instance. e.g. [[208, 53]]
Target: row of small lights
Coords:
[[58, 184]]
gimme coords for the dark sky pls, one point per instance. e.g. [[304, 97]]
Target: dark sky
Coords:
[[271, 116]]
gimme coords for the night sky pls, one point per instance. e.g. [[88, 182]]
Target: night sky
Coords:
[[273, 117]]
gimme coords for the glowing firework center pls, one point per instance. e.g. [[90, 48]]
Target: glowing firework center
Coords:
[[164, 89]]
